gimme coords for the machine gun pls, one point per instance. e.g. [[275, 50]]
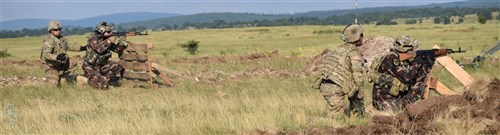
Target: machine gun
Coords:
[[478, 60]]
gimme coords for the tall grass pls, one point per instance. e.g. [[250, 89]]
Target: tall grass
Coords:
[[244, 105]]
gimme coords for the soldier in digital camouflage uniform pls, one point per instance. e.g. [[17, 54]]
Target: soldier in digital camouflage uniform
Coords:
[[342, 75], [96, 66], [397, 82], [53, 53]]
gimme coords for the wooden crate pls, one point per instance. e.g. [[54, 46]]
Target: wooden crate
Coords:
[[137, 63]]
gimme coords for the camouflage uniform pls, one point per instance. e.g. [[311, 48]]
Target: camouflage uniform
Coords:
[[395, 82], [342, 77], [54, 47], [96, 66]]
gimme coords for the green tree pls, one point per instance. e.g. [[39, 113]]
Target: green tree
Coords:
[[411, 21], [481, 19], [446, 20], [437, 20]]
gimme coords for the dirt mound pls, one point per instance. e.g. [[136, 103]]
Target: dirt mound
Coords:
[[480, 105], [218, 76], [20, 62], [22, 81], [224, 59], [314, 64]]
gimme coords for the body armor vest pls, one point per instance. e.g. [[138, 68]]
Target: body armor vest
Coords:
[[336, 67], [55, 46]]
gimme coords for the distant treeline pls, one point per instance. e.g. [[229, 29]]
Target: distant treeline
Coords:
[[442, 16]]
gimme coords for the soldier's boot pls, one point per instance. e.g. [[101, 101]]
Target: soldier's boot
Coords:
[[334, 112], [115, 82], [81, 80], [359, 108]]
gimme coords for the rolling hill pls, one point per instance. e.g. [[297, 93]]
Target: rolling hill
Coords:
[[86, 22]]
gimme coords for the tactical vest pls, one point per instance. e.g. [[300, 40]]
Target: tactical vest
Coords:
[[94, 58], [55, 46], [384, 79], [336, 67]]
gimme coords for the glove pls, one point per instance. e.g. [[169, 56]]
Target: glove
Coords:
[[62, 57], [83, 48]]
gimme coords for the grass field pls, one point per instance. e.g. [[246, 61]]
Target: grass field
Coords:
[[239, 106]]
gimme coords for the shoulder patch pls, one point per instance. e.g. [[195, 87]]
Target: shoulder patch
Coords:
[[396, 62]]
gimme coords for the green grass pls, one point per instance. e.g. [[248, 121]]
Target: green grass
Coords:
[[238, 106]]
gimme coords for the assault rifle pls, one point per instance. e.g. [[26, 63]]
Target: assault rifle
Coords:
[[422, 55], [426, 58], [120, 34]]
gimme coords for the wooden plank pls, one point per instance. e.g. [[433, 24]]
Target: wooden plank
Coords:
[[136, 47], [171, 71], [167, 81], [134, 57], [150, 45], [441, 89], [428, 85], [455, 69], [136, 75], [133, 65], [136, 83]]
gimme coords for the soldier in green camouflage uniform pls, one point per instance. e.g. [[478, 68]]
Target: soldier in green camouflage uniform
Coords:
[[53, 53], [342, 74], [96, 66], [395, 82]]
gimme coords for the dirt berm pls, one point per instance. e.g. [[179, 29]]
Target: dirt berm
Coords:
[[477, 111]]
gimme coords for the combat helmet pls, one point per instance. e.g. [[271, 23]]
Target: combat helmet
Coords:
[[405, 43], [103, 27], [54, 24], [352, 33]]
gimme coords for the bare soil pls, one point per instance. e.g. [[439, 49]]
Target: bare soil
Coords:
[[478, 103]]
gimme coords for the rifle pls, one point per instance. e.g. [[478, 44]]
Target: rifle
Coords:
[[121, 34], [428, 54]]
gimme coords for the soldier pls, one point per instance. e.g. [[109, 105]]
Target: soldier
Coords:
[[53, 53], [96, 66], [342, 73], [395, 77]]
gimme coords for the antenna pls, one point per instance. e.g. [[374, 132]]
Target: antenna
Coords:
[[356, 18]]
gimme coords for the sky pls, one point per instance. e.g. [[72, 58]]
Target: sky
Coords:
[[78, 9]]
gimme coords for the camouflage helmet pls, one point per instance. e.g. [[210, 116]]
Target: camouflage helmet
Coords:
[[54, 24], [405, 43], [103, 27], [352, 33]]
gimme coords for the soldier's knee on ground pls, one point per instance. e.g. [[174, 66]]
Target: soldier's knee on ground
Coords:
[[99, 82]]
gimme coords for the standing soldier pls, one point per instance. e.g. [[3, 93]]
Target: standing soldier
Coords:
[[395, 77], [96, 66], [342, 74], [53, 53]]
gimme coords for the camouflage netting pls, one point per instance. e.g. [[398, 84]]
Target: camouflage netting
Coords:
[[373, 48]]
